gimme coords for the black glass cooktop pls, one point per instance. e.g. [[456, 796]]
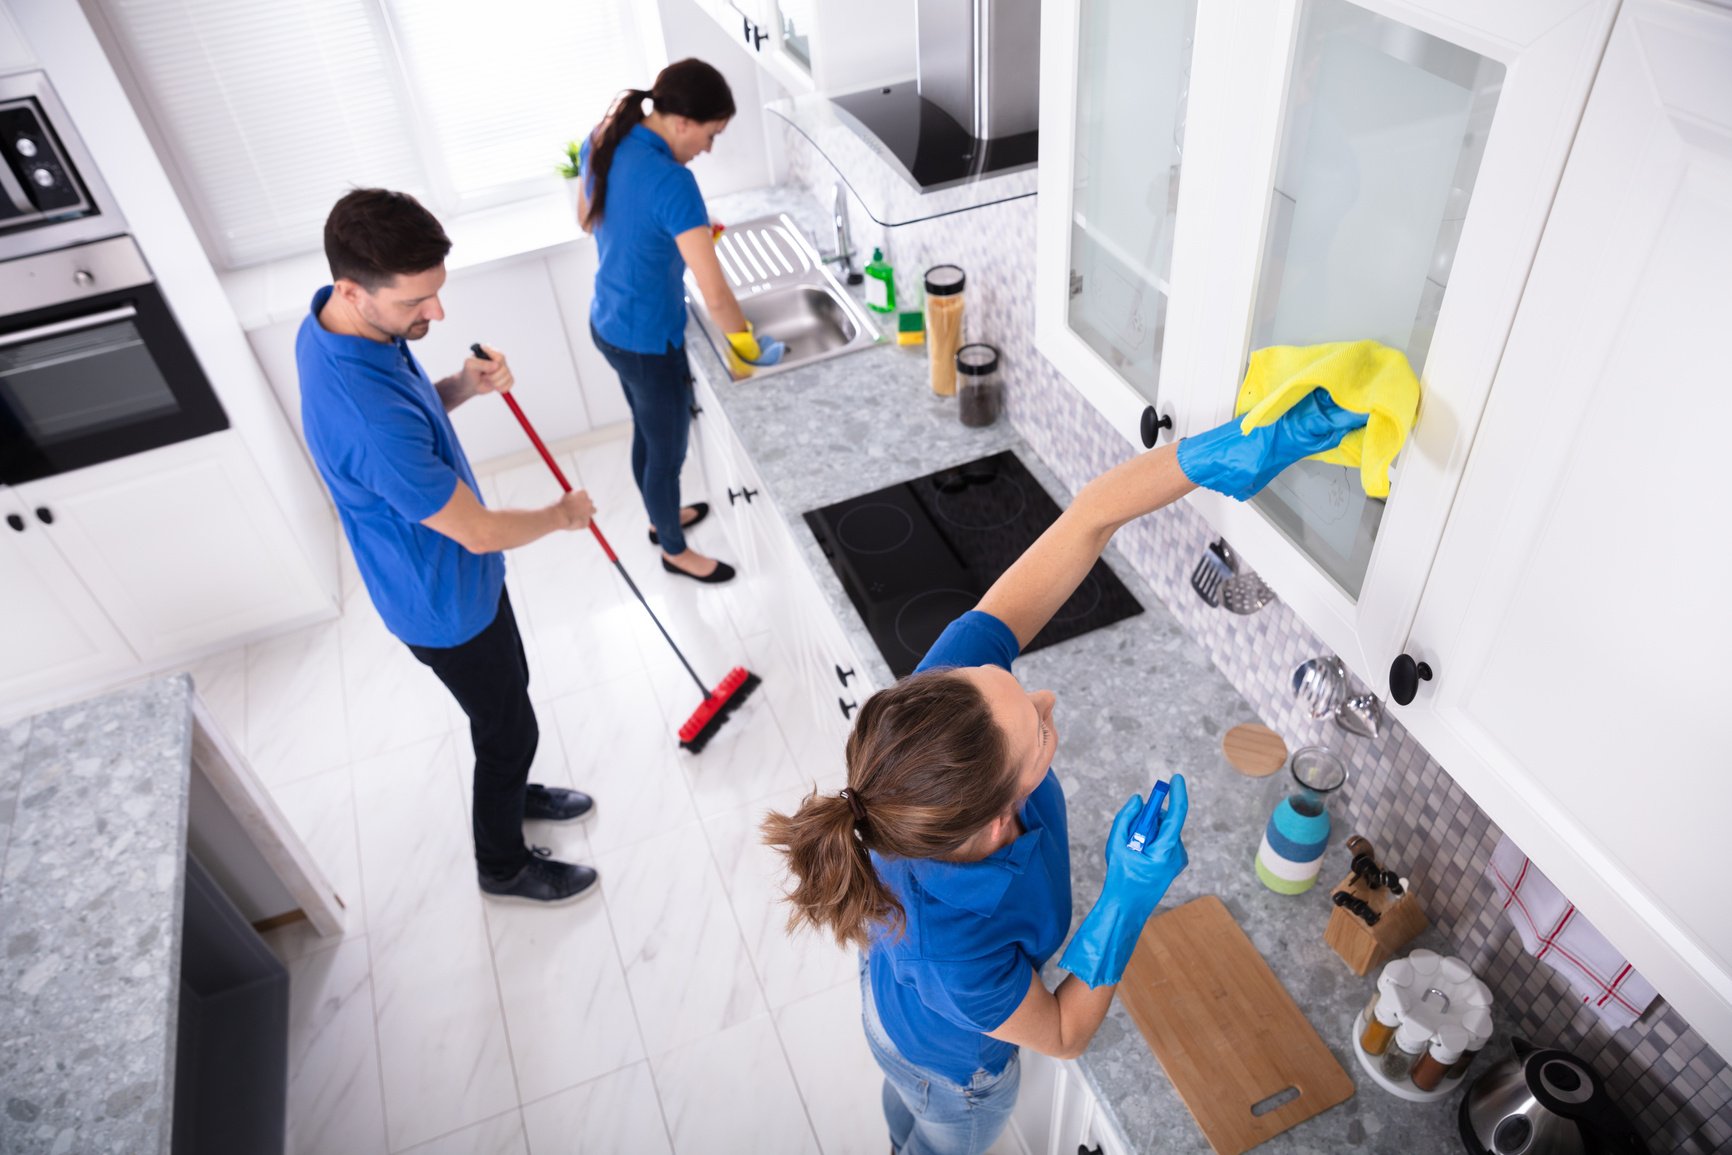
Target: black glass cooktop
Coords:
[[916, 555]]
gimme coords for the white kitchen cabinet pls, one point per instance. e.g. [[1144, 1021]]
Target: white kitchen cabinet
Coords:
[[1078, 1119], [1577, 655], [1113, 96], [828, 46], [53, 629], [1377, 170], [181, 547]]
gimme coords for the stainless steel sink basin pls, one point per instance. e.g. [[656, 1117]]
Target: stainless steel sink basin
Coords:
[[786, 293]]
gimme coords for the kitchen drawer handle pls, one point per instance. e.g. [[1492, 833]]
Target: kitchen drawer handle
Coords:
[[16, 522], [696, 409], [1405, 674], [843, 675], [746, 28], [848, 707], [758, 38], [44, 515], [745, 493], [1153, 423], [1084, 1149]]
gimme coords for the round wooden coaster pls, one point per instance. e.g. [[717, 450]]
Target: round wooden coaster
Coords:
[[1254, 750]]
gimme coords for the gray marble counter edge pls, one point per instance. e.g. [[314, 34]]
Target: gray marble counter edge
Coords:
[[122, 1090]]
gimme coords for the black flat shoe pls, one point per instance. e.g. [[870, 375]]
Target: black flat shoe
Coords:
[[701, 507], [722, 573], [555, 804]]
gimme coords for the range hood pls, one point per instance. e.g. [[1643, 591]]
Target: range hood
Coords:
[[974, 108]]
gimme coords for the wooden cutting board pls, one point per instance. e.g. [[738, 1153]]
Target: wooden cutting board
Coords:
[[1227, 1032]]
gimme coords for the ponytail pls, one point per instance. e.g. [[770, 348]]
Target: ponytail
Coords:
[[688, 88], [928, 768], [836, 888]]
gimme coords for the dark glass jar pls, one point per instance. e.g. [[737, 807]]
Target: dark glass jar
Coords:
[[979, 390]]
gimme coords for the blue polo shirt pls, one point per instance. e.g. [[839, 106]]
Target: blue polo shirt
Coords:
[[975, 930], [640, 303], [385, 447]]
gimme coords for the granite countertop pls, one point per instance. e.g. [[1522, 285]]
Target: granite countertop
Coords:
[[93, 811], [1137, 700]]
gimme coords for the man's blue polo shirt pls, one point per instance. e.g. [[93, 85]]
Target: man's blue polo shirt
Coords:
[[640, 302], [385, 447], [975, 930]]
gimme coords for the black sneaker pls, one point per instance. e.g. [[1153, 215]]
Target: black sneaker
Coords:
[[543, 881], [555, 804]]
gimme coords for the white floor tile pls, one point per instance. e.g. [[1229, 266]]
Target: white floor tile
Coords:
[[732, 1092], [442, 1036], [334, 1098], [417, 852], [619, 750], [321, 809], [617, 1114], [836, 1074], [392, 699], [500, 1135], [296, 722], [688, 970], [566, 1003], [789, 966]]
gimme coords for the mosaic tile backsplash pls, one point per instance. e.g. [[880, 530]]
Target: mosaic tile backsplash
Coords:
[[1676, 1088]]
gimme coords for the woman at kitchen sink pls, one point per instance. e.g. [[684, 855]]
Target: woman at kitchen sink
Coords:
[[650, 225], [946, 860]]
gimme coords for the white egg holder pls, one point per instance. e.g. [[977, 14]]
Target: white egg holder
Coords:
[[1405, 1089]]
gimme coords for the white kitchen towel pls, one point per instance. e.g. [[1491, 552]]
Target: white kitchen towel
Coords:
[[1555, 932]]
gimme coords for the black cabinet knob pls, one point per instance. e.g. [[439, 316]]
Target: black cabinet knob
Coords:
[[1085, 1150], [1153, 423], [44, 515], [742, 494], [696, 409], [843, 675], [16, 522], [746, 27], [758, 38], [848, 707], [1405, 674]]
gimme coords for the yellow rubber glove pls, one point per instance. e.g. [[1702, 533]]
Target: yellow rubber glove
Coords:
[[745, 345]]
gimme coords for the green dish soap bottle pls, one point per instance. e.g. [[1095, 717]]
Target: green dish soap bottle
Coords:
[[880, 284]]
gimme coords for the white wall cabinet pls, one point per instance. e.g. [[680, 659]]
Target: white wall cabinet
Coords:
[[1078, 1120], [1578, 677], [147, 559], [828, 46]]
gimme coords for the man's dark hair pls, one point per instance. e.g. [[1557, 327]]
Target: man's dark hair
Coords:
[[374, 234]]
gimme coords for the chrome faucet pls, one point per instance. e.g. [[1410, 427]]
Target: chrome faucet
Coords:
[[843, 251]]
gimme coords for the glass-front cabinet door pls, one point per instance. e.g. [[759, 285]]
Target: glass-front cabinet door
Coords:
[[1392, 186], [1114, 92]]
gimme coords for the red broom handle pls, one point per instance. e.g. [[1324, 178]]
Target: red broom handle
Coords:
[[541, 448]]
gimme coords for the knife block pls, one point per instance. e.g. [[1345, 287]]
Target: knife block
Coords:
[[1363, 947]]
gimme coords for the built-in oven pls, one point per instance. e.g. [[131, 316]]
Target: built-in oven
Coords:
[[93, 365]]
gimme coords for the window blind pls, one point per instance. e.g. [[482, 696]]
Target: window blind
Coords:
[[271, 111]]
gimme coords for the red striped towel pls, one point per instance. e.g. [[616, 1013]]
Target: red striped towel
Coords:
[[1554, 931]]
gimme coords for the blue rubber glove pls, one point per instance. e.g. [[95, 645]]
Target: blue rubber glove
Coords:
[[1239, 464], [770, 351], [1135, 884]]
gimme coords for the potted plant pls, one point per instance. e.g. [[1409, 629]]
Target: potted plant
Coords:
[[571, 168]]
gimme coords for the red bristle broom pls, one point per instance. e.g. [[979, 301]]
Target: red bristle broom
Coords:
[[733, 689]]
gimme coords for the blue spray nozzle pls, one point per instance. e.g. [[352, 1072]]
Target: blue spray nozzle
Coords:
[[1148, 822]]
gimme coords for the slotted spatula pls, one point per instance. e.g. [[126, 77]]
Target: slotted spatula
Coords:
[[1215, 567]]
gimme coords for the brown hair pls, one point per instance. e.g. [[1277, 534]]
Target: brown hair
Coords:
[[688, 88], [373, 234], [928, 768]]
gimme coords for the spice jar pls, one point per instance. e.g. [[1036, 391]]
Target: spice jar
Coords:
[[1446, 1048], [1380, 1025], [1411, 1040], [979, 392], [944, 285], [1477, 1022]]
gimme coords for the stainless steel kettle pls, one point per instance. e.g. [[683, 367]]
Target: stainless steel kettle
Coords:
[[1543, 1102]]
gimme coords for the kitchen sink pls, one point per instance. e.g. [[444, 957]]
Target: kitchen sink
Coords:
[[786, 293]]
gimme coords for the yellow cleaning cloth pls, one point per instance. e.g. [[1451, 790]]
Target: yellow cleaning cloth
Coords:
[[1363, 376]]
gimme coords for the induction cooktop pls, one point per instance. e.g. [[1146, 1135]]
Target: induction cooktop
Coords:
[[914, 556]]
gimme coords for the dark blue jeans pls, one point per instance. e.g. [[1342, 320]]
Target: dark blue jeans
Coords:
[[658, 388]]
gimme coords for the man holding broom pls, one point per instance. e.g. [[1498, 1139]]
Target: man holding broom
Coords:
[[428, 550]]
